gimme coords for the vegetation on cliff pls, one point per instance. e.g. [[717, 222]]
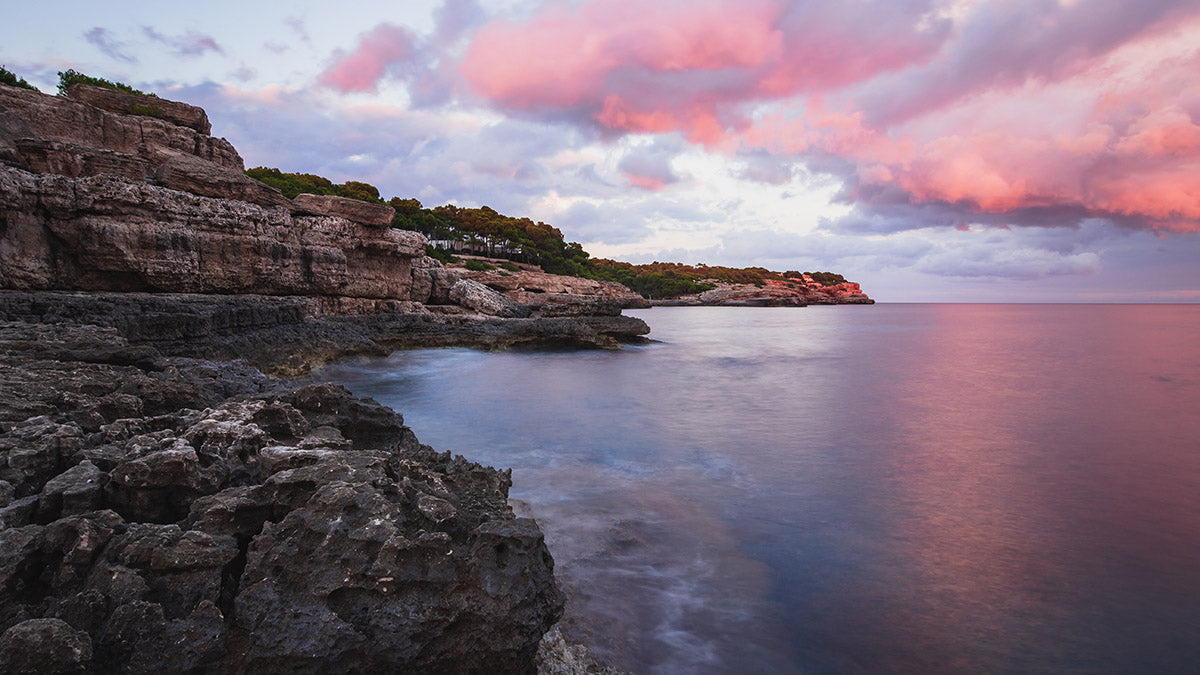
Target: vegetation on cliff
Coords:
[[10, 78], [484, 231], [292, 184], [66, 78]]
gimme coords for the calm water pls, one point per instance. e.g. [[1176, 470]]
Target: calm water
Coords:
[[842, 489]]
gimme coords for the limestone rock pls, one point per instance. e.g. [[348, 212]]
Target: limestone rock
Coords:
[[366, 213], [475, 296], [135, 104], [554, 295], [106, 233], [775, 293], [74, 491], [65, 120], [191, 174]]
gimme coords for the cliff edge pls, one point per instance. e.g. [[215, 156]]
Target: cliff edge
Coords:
[[95, 200]]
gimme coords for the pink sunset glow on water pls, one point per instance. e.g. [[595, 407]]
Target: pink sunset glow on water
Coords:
[[902, 488]]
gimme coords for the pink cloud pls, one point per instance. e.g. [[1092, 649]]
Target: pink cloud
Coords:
[[377, 51], [631, 67], [1089, 108], [651, 183]]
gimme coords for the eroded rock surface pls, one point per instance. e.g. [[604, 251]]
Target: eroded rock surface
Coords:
[[376, 215], [166, 515], [106, 233], [112, 100], [554, 295]]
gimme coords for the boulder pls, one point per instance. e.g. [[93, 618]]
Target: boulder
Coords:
[[142, 104], [192, 174], [366, 213], [475, 296], [46, 646]]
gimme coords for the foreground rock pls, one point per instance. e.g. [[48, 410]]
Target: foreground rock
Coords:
[[161, 514]]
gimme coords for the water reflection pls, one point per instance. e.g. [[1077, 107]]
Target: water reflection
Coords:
[[934, 488]]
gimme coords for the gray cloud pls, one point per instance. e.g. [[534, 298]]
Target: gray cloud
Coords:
[[650, 166], [187, 44], [1009, 43], [109, 45]]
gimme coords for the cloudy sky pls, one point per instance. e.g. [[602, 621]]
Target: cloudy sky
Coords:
[[934, 150]]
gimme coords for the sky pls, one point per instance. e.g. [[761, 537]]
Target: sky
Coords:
[[933, 150]]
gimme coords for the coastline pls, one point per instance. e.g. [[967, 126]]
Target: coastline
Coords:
[[170, 497]]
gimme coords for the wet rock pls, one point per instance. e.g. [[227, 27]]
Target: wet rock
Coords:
[[556, 656], [47, 646]]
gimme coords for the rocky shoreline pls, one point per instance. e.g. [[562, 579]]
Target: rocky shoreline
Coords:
[[174, 514], [167, 502]]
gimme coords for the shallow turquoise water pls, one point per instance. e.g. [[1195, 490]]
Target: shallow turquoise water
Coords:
[[934, 488]]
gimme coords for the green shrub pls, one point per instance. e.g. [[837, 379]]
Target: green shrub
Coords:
[[510, 267], [292, 184], [440, 255], [69, 77], [10, 78], [146, 111], [827, 278], [478, 265]]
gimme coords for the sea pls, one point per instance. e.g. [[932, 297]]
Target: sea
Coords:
[[915, 488]]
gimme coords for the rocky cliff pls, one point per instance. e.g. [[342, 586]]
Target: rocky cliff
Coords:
[[774, 293], [95, 198], [164, 506]]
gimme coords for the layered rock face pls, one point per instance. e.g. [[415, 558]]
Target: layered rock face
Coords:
[[95, 198], [181, 114], [105, 233], [99, 200]]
